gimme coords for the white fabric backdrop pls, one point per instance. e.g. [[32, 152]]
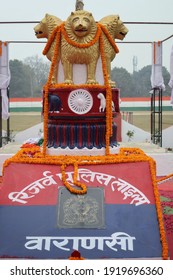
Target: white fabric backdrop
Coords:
[[171, 74], [156, 73], [4, 78]]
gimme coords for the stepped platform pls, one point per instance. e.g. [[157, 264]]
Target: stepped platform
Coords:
[[48, 222], [163, 158]]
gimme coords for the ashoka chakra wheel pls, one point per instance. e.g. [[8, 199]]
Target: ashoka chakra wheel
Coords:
[[80, 101]]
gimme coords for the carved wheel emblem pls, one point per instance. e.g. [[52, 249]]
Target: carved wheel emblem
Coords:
[[80, 101]]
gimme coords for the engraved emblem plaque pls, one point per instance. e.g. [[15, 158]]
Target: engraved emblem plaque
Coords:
[[81, 211]]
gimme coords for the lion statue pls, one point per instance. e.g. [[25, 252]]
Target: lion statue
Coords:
[[80, 28], [44, 30], [117, 30]]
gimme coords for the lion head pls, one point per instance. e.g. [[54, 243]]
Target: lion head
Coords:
[[46, 26], [115, 26], [81, 26]]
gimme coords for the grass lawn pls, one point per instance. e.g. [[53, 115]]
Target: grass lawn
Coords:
[[22, 121]]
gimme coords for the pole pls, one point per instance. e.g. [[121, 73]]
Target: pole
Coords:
[[79, 5], [8, 120]]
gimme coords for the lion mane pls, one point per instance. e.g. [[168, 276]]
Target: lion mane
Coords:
[[81, 28], [92, 27], [117, 30], [46, 26], [115, 26], [44, 30]]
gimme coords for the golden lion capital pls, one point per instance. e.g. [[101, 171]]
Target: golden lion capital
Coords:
[[81, 41]]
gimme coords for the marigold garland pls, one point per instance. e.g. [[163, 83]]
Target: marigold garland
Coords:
[[126, 155], [0, 48], [99, 36], [36, 156], [81, 45], [111, 41], [76, 256], [165, 178], [50, 40], [159, 210], [108, 98], [47, 86], [75, 182]]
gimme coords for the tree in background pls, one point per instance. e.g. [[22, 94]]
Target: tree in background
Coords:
[[124, 81], [28, 77], [39, 71], [19, 84], [137, 84]]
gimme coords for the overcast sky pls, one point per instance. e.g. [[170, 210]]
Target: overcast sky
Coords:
[[129, 11]]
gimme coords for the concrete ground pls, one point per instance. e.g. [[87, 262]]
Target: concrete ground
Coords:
[[141, 139]]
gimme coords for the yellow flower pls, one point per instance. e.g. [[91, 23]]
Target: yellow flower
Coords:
[[35, 156]]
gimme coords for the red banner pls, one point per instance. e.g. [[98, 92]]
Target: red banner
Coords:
[[28, 184]]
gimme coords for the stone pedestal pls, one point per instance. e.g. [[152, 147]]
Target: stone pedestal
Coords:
[[77, 118]]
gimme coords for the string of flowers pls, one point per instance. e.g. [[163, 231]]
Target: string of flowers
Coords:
[[35, 156], [72, 86], [111, 41], [45, 122], [50, 40], [76, 256], [126, 155], [0, 48], [61, 30], [108, 97], [1, 43], [76, 183], [81, 45], [163, 238], [47, 86], [109, 117], [165, 178]]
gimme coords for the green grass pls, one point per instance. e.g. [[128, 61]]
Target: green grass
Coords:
[[21, 121]]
